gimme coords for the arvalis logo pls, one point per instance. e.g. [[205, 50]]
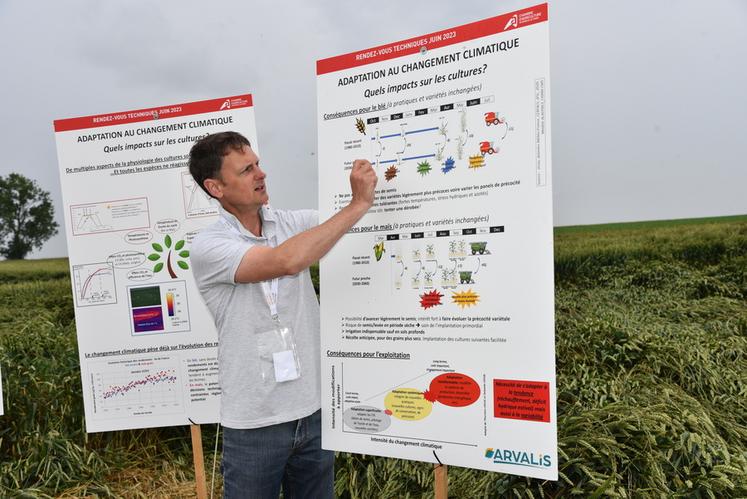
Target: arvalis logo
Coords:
[[518, 458], [225, 105]]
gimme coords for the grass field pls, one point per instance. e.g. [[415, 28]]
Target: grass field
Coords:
[[651, 344], [649, 224]]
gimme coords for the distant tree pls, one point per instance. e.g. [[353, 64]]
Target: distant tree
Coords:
[[26, 216]]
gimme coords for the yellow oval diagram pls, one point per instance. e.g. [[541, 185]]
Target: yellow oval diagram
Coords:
[[407, 404]]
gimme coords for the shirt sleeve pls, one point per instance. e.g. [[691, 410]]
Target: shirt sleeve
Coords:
[[306, 219], [215, 258]]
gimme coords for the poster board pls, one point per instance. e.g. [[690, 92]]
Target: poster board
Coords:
[[438, 306], [147, 343]]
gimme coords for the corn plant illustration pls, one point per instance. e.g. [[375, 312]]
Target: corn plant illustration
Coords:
[[379, 250], [166, 246]]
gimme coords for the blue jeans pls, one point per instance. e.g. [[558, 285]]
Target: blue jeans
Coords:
[[257, 462]]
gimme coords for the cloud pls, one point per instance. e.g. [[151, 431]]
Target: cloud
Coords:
[[645, 95]]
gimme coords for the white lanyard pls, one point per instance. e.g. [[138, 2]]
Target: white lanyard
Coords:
[[271, 296], [270, 290]]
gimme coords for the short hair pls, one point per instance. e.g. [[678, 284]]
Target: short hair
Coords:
[[206, 155]]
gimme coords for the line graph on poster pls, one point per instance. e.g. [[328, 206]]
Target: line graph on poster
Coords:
[[109, 216], [136, 387], [94, 284]]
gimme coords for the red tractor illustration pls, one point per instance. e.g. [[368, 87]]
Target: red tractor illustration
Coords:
[[492, 119], [487, 148]]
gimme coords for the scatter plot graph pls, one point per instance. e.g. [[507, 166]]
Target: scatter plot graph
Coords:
[[94, 284], [145, 386], [114, 392]]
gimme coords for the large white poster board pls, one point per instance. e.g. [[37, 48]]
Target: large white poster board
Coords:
[[437, 307], [147, 343]]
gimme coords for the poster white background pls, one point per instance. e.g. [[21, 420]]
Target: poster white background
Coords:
[[437, 308], [147, 343]]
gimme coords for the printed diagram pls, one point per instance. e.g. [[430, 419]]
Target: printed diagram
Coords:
[[94, 284], [89, 220], [440, 139], [397, 144], [450, 390], [109, 216], [196, 202], [441, 269], [136, 387], [166, 252], [159, 308]]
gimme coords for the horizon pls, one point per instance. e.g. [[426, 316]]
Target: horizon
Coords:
[[644, 123]]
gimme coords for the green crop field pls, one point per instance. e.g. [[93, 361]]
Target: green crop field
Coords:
[[651, 343]]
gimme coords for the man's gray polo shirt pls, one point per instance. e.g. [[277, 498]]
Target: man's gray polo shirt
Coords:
[[241, 313]]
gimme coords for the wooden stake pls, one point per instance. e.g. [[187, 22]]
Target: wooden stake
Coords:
[[199, 461], [441, 481]]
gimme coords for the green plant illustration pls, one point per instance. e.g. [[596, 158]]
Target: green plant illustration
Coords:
[[161, 248]]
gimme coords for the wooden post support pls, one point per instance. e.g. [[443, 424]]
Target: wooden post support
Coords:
[[199, 461], [441, 481]]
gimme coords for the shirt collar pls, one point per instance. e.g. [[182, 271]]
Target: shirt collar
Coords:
[[266, 213]]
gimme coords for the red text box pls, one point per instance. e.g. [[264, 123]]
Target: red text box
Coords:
[[519, 399]]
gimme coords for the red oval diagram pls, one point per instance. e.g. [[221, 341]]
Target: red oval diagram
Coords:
[[454, 389]]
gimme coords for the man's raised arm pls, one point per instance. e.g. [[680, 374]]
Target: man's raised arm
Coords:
[[261, 263]]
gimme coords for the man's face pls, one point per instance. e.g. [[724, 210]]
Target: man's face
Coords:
[[242, 183]]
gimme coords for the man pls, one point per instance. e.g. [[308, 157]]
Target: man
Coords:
[[251, 268]]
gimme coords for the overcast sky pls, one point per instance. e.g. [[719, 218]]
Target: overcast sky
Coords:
[[648, 98]]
